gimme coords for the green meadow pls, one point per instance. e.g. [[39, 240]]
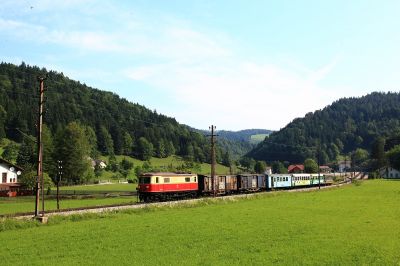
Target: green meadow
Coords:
[[104, 194], [27, 204], [255, 139], [160, 164], [122, 187], [352, 225]]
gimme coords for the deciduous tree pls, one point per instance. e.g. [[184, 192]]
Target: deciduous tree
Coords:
[[310, 166]]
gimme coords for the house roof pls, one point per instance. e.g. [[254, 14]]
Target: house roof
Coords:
[[294, 166], [8, 185], [10, 164], [324, 167]]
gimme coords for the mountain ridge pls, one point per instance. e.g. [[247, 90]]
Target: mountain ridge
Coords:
[[341, 127]]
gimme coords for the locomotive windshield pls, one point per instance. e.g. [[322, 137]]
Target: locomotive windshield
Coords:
[[144, 180]]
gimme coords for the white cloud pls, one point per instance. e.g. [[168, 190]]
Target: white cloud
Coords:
[[209, 82], [237, 94]]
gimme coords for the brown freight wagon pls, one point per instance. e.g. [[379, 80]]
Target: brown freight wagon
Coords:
[[249, 183], [225, 184]]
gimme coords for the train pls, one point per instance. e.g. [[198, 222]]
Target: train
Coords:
[[154, 187]]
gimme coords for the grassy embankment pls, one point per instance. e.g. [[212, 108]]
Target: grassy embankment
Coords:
[[352, 225], [27, 204]]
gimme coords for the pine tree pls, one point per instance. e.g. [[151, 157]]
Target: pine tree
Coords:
[[49, 163], [161, 152], [3, 116], [145, 149], [10, 152], [260, 167], [26, 156], [73, 149], [92, 139], [105, 142], [127, 145]]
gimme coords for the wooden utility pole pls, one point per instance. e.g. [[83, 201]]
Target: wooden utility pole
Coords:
[[60, 172], [40, 181], [213, 162]]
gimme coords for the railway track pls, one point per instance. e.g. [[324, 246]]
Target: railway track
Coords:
[[118, 207]]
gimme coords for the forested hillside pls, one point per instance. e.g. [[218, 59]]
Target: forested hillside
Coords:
[[115, 125], [341, 127], [242, 135], [235, 144]]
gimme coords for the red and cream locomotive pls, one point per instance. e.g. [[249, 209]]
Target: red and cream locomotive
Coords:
[[166, 186]]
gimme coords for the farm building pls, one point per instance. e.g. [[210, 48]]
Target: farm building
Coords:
[[100, 164], [9, 178], [389, 172], [325, 169], [344, 166], [296, 168]]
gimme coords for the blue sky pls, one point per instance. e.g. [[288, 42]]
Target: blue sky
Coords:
[[234, 64]]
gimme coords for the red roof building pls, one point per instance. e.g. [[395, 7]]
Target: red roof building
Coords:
[[296, 168]]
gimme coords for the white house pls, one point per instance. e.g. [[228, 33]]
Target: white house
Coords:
[[9, 173], [100, 164], [389, 172], [268, 171], [344, 166]]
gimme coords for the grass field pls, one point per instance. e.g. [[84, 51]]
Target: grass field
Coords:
[[101, 187], [352, 225], [255, 139], [162, 163], [27, 204]]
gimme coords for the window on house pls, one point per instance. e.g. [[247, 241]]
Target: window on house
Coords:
[[4, 178]]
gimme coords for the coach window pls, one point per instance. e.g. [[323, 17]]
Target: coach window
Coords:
[[195, 179], [187, 179], [166, 180], [157, 179]]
